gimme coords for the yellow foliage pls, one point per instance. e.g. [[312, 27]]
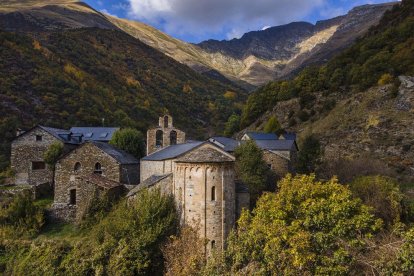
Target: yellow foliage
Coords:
[[211, 106], [385, 79], [187, 88], [372, 121], [132, 82], [230, 95], [36, 45], [73, 71]]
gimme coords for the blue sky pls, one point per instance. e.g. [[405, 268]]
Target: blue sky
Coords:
[[198, 20]]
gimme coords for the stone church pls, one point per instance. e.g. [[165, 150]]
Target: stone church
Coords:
[[201, 177]]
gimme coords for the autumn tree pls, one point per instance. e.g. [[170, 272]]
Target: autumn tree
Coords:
[[309, 227], [184, 253]]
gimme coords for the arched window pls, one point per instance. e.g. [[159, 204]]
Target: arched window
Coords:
[[213, 193], [158, 138], [98, 168], [213, 244], [173, 137], [77, 167], [165, 121]]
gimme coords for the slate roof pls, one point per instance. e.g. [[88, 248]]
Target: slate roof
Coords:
[[262, 136], [206, 155], [62, 134], [121, 156], [171, 152], [288, 136], [150, 181], [228, 144], [276, 144], [103, 134]]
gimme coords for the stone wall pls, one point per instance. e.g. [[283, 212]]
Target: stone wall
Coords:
[[25, 150], [214, 215], [279, 162], [87, 155], [149, 168], [130, 174], [166, 130]]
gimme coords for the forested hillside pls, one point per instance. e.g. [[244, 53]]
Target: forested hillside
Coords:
[[386, 49], [357, 105], [79, 77]]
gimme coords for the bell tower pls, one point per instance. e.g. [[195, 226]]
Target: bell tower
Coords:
[[164, 135]]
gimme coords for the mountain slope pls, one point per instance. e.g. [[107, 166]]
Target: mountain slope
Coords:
[[78, 77], [256, 58], [358, 104]]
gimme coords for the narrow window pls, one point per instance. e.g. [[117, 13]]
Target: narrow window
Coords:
[[213, 244], [98, 168], [158, 137], [39, 138], [165, 121], [213, 193], [173, 137], [73, 197], [77, 167], [36, 166]]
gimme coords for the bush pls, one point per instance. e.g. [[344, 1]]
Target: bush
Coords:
[[272, 126], [381, 193], [21, 218], [307, 228]]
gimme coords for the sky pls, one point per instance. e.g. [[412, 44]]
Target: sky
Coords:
[[198, 20]]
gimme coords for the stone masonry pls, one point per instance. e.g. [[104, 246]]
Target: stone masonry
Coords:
[[163, 135]]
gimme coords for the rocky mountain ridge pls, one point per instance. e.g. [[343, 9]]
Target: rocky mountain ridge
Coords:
[[256, 58]]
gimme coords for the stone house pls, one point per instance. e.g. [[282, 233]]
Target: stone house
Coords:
[[164, 135], [28, 148], [76, 182], [279, 154], [27, 151]]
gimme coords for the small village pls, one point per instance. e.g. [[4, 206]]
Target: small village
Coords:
[[199, 174]]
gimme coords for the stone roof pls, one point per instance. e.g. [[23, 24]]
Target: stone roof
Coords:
[[101, 181], [61, 134], [206, 154], [262, 136], [228, 144], [288, 136], [276, 144], [149, 182], [103, 134], [172, 151], [120, 156]]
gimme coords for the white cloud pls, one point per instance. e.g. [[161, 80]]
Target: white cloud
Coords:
[[105, 11], [233, 17]]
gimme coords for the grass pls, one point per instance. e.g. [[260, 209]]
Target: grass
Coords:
[[14, 187], [60, 231]]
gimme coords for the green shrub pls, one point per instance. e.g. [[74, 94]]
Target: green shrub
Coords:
[[381, 193], [21, 217]]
